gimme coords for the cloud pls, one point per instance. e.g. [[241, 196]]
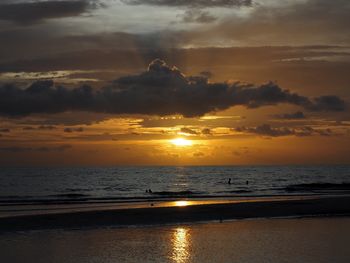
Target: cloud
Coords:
[[191, 3], [34, 12], [4, 130], [322, 21], [161, 90], [197, 16], [267, 130], [28, 128], [329, 103], [46, 127], [16, 149], [206, 131], [41, 127], [188, 131], [69, 130], [198, 154], [291, 116]]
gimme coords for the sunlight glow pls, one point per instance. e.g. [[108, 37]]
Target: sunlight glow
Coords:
[[182, 203], [180, 243], [181, 142]]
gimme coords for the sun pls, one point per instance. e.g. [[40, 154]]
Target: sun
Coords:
[[181, 142]]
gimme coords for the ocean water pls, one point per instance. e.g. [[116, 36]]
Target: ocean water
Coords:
[[21, 185], [317, 240]]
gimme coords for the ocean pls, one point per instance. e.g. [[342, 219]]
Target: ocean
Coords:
[[92, 184]]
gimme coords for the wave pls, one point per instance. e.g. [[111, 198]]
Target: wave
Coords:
[[318, 187], [239, 191], [71, 195], [176, 194]]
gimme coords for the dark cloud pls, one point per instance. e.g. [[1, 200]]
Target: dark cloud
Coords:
[[206, 131], [46, 127], [41, 127], [34, 47], [4, 130], [44, 52], [69, 130], [33, 12], [321, 21], [292, 116], [16, 149], [197, 16], [267, 130], [161, 90], [206, 74], [329, 103], [28, 128], [191, 3], [188, 131]]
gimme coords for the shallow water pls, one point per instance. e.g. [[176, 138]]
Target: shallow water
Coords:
[[316, 240], [86, 184]]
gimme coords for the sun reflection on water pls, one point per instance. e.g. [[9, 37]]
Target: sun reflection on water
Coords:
[[181, 203], [180, 244]]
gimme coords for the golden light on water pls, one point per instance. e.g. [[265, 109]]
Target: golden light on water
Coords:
[[180, 244], [182, 203], [181, 142]]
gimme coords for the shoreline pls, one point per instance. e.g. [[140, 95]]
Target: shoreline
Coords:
[[321, 206], [11, 210]]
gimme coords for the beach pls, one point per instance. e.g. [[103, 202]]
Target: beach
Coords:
[[181, 212], [311, 240]]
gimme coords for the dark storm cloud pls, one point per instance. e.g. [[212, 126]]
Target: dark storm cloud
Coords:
[[191, 3], [291, 116], [161, 90], [16, 149], [33, 12], [267, 130]]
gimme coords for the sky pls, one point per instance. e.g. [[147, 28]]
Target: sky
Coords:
[[174, 82]]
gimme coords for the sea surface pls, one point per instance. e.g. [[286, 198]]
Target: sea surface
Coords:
[[316, 240], [54, 185]]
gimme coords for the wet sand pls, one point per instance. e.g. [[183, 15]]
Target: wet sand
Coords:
[[311, 240], [183, 213]]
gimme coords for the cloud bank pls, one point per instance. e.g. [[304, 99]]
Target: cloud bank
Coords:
[[191, 3], [161, 90], [34, 12], [267, 130]]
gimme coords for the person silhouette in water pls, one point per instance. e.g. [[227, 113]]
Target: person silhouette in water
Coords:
[[229, 181]]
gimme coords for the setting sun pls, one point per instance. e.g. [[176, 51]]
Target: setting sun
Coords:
[[181, 142]]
